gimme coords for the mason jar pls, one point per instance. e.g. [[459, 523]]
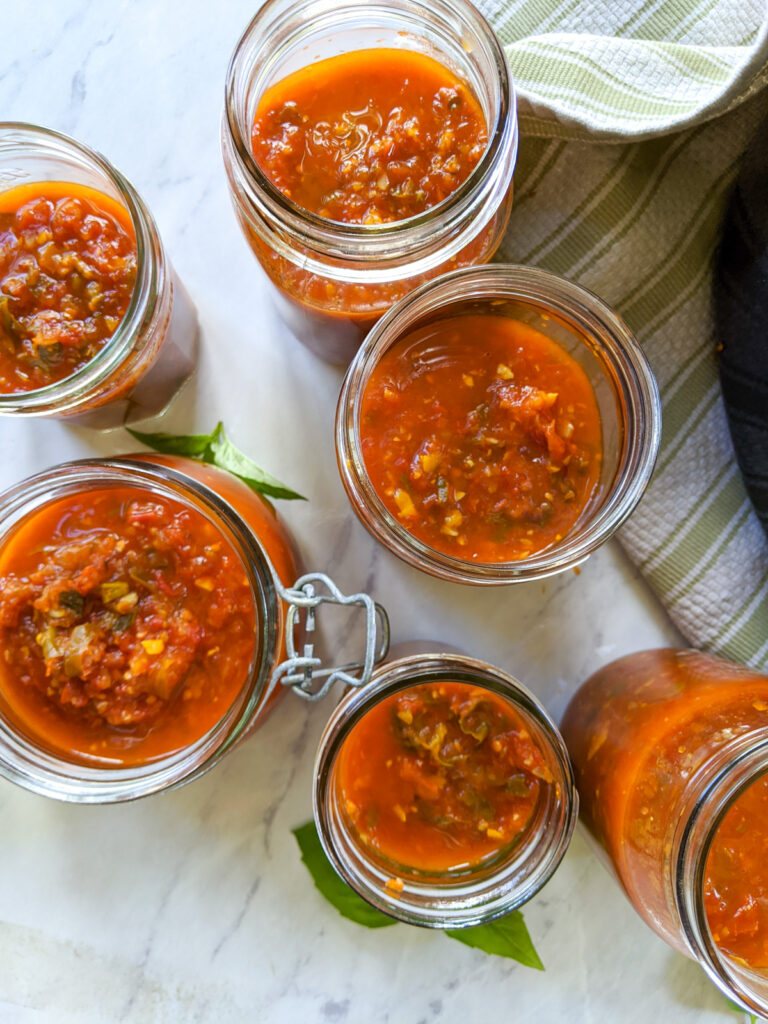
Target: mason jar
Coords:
[[587, 330], [153, 349], [471, 893], [331, 281], [666, 745], [34, 751]]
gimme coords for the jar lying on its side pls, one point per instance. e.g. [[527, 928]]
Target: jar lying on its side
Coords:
[[336, 268], [95, 325], [443, 791], [497, 425], [670, 751], [147, 609]]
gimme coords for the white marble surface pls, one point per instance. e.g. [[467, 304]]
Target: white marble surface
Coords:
[[194, 906]]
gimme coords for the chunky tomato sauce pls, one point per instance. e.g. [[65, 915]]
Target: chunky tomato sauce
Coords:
[[736, 886], [482, 437], [441, 777], [67, 273], [127, 626], [638, 731], [369, 136]]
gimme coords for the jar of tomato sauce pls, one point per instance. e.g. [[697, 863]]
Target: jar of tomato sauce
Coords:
[[369, 147], [148, 607], [443, 792], [497, 426], [670, 751], [95, 325]]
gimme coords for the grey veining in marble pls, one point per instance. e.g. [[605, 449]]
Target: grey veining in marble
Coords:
[[194, 906]]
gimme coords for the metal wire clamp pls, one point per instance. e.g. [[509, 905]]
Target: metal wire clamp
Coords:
[[303, 671]]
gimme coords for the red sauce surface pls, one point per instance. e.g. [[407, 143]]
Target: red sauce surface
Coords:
[[127, 626], [366, 137], [67, 272], [441, 776], [736, 885], [369, 136], [482, 437]]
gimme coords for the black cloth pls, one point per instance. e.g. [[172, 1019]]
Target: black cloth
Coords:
[[741, 312]]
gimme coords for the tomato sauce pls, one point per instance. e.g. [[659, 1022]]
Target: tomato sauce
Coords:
[[736, 885], [441, 777], [482, 437], [127, 626], [67, 273], [638, 731], [369, 136]]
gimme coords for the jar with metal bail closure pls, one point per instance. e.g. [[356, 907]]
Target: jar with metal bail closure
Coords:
[[149, 611]]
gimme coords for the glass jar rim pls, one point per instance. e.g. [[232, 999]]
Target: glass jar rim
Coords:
[[367, 241], [30, 765], [492, 890], [594, 321], [150, 276], [722, 782]]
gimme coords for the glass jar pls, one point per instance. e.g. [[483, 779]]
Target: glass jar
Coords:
[[270, 563], [474, 895], [333, 280], [153, 349], [663, 744], [593, 335]]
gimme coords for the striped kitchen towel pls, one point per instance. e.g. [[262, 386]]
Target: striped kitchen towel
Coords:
[[634, 114]]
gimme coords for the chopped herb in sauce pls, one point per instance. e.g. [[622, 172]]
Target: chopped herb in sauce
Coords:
[[482, 437], [441, 776], [67, 273], [109, 645], [369, 136]]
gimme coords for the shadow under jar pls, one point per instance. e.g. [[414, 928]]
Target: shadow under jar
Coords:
[[670, 751], [332, 280], [146, 613], [89, 299], [443, 791], [497, 425]]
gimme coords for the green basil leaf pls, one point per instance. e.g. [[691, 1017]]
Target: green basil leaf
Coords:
[[506, 936], [191, 445], [751, 1017], [222, 453], [8, 321], [338, 893], [123, 622], [73, 600], [217, 450]]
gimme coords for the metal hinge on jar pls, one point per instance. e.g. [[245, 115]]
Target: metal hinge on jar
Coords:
[[304, 671]]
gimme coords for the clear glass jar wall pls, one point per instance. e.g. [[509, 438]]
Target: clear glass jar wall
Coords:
[[440, 900], [663, 744], [268, 558], [153, 350], [584, 327], [333, 280]]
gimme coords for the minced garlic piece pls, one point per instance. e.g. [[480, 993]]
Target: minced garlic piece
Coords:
[[154, 646], [404, 503]]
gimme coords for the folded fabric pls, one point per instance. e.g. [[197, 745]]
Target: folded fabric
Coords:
[[634, 116]]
